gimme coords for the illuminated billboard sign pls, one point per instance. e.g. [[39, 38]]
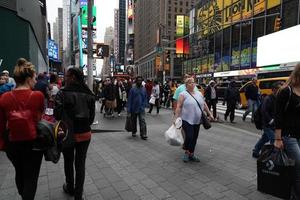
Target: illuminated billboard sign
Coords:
[[179, 25], [52, 50], [215, 15], [84, 15]]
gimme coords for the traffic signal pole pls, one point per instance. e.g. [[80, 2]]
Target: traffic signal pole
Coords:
[[90, 45]]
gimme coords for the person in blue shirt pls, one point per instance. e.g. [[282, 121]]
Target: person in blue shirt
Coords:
[[4, 86], [137, 100]]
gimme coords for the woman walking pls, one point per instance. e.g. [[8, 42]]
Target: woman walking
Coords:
[[156, 94], [287, 121], [75, 105], [22, 132], [188, 109]]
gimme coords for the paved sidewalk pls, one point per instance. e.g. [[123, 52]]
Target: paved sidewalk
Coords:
[[121, 167]]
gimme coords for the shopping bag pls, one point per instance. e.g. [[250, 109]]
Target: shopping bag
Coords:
[[174, 136], [152, 100], [275, 172], [129, 124]]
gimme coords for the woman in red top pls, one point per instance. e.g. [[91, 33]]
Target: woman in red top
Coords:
[[19, 143]]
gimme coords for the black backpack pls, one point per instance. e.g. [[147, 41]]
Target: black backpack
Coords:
[[257, 116]]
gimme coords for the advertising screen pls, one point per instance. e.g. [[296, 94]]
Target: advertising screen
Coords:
[[279, 47], [52, 50]]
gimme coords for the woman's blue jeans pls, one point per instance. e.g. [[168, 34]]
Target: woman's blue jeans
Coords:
[[191, 135], [292, 147]]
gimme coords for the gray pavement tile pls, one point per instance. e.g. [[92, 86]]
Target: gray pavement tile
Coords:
[[90, 189], [94, 197], [211, 192], [149, 197], [160, 193], [140, 190], [168, 186], [239, 189], [120, 186], [109, 193], [129, 195], [102, 183], [148, 183], [203, 196], [179, 195], [233, 195]]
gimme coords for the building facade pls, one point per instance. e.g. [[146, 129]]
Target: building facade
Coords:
[[58, 32], [224, 34], [108, 40], [155, 37], [25, 26], [116, 35], [122, 31], [67, 51]]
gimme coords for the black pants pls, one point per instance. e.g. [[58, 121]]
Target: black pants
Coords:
[[119, 105], [142, 122], [230, 110], [27, 165], [157, 106], [213, 103], [191, 136], [77, 154], [102, 106]]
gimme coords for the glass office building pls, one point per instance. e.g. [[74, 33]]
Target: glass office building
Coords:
[[224, 32]]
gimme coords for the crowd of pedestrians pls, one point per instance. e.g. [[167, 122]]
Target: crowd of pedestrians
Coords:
[[30, 95]]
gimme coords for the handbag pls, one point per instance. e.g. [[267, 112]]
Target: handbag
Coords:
[[129, 124], [152, 100], [204, 120]]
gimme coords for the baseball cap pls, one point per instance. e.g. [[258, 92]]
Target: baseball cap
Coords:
[[5, 72]]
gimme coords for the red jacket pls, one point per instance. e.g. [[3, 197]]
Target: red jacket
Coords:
[[7, 103]]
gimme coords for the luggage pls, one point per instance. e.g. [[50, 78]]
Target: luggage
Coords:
[[275, 172]]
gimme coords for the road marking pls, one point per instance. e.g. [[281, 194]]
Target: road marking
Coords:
[[240, 130]]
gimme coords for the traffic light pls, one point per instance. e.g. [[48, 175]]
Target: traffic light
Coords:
[[167, 60], [277, 24]]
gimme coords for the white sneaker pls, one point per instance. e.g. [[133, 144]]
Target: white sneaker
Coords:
[[119, 115]]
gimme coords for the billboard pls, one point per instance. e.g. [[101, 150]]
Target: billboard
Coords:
[[102, 50], [285, 49], [84, 15], [179, 25], [52, 50], [130, 9], [214, 15]]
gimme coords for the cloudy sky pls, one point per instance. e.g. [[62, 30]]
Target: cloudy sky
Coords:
[[105, 14]]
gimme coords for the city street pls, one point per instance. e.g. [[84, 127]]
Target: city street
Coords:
[[122, 167]]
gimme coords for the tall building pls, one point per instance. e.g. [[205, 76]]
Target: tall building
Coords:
[[66, 32], [155, 26], [58, 32], [122, 31], [23, 24], [116, 35], [129, 54], [108, 40]]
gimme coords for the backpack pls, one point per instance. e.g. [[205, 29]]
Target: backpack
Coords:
[[258, 120], [21, 124]]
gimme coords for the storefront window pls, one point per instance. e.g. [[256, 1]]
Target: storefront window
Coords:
[[289, 13], [271, 19], [246, 44], [226, 56], [218, 38], [235, 53]]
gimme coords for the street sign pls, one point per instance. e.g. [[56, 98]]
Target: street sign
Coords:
[[159, 49]]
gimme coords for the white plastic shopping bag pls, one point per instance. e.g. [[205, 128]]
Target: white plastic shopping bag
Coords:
[[152, 100], [174, 136]]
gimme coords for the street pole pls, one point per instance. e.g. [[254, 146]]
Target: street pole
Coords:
[[90, 45]]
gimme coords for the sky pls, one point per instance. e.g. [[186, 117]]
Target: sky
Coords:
[[105, 14]]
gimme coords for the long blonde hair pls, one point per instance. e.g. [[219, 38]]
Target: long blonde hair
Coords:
[[294, 79]]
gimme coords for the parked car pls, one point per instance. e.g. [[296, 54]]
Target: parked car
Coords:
[[221, 88], [264, 85]]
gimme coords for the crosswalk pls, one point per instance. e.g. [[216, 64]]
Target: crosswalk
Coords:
[[238, 112]]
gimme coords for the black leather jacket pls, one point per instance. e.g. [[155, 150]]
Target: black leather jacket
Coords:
[[75, 105]]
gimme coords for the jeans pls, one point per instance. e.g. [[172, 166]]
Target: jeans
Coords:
[[157, 106], [213, 103], [252, 107], [191, 135], [76, 153], [230, 110], [268, 135], [27, 164], [292, 147], [142, 122]]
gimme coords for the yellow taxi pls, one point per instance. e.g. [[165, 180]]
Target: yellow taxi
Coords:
[[264, 85]]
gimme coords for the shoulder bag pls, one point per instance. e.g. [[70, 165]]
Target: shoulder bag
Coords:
[[204, 120]]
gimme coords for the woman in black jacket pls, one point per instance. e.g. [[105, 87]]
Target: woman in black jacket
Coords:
[[287, 121], [75, 105]]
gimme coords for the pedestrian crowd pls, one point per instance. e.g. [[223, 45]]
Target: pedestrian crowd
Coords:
[[27, 97]]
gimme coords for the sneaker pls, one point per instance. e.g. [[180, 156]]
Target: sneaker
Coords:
[[133, 134], [67, 190], [119, 115], [144, 137], [185, 158], [255, 155], [244, 118], [194, 158]]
